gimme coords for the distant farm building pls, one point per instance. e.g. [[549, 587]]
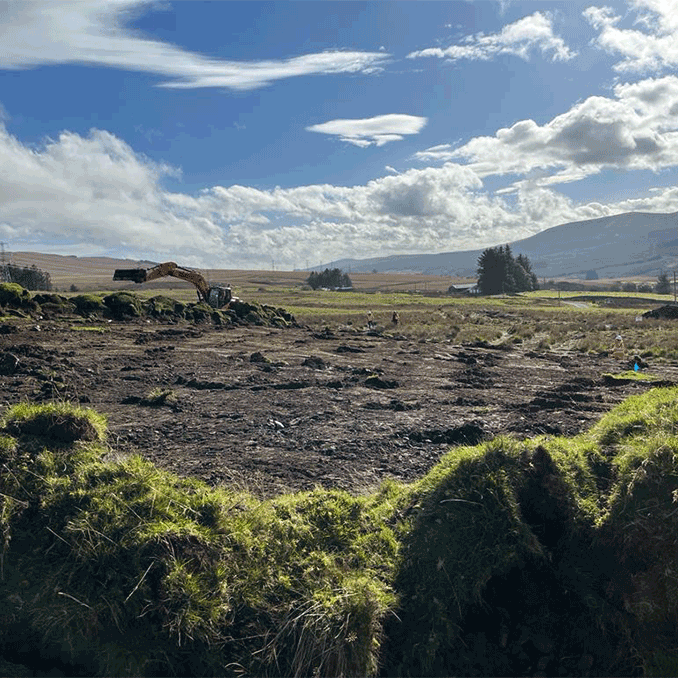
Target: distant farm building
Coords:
[[464, 288]]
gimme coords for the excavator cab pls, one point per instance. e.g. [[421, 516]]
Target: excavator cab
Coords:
[[219, 296]]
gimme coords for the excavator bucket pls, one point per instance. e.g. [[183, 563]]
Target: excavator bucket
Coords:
[[137, 275]]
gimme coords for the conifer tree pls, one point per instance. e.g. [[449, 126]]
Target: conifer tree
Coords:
[[500, 273], [663, 285]]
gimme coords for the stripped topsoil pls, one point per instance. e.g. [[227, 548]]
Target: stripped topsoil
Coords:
[[281, 409]]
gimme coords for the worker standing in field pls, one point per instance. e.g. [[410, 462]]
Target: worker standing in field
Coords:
[[395, 318], [619, 350], [370, 320]]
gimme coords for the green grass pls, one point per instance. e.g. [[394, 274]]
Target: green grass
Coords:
[[90, 328], [123, 569], [160, 396], [533, 319], [633, 375]]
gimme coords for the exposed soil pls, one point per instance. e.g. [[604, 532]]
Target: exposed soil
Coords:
[[279, 409]]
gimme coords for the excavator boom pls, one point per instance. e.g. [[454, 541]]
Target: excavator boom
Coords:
[[215, 296]]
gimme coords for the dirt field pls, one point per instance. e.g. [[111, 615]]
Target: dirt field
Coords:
[[277, 409]]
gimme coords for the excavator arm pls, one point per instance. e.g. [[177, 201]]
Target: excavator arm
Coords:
[[141, 275]]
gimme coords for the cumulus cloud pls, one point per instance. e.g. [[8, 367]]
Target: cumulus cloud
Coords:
[[94, 190], [375, 131], [95, 194], [652, 49], [638, 129], [531, 33], [42, 32]]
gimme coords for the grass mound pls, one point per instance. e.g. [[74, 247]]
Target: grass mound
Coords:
[[121, 569], [551, 556], [13, 295], [123, 305], [59, 422], [129, 306], [88, 304], [162, 306]]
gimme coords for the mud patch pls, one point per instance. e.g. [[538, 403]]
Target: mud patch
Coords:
[[394, 405], [218, 430], [466, 434]]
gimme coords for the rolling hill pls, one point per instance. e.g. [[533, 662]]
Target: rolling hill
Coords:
[[623, 245]]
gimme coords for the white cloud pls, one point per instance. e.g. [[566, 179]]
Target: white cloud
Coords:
[[43, 32], [534, 32], [94, 190], [96, 195], [372, 131], [653, 49], [441, 152], [638, 129]]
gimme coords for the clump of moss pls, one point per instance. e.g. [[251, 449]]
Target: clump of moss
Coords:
[[59, 422], [499, 539], [122, 569], [199, 313], [164, 307], [123, 305], [260, 314], [88, 304], [12, 294], [462, 526], [53, 304]]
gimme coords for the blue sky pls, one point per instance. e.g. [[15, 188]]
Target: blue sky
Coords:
[[235, 134]]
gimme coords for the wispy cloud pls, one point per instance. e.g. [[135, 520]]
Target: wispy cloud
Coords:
[[372, 131], [42, 32], [654, 49], [534, 32]]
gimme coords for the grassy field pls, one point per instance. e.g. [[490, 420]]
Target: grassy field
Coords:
[[542, 320]]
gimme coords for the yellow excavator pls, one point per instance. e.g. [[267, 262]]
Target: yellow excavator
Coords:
[[217, 296]]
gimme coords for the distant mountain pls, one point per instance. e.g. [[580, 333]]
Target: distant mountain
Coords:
[[624, 245]]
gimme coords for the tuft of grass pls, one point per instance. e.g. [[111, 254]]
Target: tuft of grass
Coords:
[[632, 375], [55, 421], [160, 396], [90, 328]]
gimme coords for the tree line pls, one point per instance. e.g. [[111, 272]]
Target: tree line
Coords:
[[499, 272], [29, 278], [330, 278]]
